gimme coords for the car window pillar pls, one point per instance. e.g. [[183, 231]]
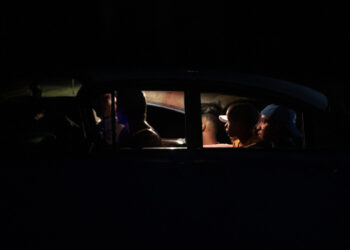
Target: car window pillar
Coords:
[[193, 119], [113, 121]]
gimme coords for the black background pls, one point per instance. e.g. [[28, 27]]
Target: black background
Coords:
[[303, 43]]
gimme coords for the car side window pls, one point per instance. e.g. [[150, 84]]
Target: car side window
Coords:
[[232, 121], [136, 119]]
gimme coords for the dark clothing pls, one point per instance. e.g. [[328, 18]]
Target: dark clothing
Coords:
[[288, 143]]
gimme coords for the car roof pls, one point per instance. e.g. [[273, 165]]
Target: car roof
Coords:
[[191, 79]]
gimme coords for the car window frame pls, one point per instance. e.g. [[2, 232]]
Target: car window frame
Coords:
[[300, 107], [192, 91], [110, 87]]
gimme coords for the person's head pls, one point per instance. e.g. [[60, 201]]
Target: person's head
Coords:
[[240, 120], [131, 106], [210, 122], [103, 105], [210, 128], [277, 123]]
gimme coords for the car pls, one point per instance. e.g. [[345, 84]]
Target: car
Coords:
[[68, 188]]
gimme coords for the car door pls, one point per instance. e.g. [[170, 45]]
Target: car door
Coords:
[[186, 197]]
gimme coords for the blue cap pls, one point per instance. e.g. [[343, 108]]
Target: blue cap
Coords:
[[285, 115]]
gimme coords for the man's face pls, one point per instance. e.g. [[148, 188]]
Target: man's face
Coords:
[[106, 104], [233, 126], [263, 128]]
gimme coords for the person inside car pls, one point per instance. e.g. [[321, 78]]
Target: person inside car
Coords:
[[103, 117], [211, 126], [240, 121], [132, 113], [277, 127]]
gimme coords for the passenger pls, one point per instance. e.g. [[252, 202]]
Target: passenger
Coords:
[[210, 123], [132, 113], [277, 127], [240, 121], [103, 107]]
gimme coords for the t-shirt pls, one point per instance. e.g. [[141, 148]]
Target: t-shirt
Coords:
[[235, 143]]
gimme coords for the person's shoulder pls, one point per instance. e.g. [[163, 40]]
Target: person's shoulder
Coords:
[[147, 137]]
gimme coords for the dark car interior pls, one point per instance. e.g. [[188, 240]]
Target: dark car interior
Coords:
[[64, 124], [168, 123], [42, 124], [54, 125]]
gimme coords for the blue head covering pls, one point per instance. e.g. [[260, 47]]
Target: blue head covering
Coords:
[[285, 115]]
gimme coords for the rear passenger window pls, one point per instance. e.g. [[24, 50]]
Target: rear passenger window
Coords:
[[231, 121]]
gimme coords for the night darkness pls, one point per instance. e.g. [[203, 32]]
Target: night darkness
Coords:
[[308, 44]]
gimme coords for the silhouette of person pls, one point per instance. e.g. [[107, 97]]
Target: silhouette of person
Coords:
[[212, 129], [132, 112], [103, 117], [277, 127], [240, 121]]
